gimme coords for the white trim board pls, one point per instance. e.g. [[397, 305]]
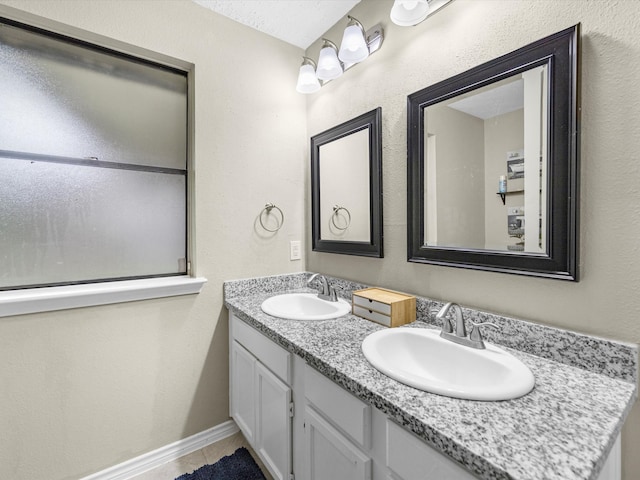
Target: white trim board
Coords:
[[48, 299], [166, 454]]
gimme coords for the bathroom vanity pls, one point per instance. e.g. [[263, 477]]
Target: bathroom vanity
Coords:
[[312, 406]]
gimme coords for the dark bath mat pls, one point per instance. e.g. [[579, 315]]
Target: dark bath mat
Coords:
[[240, 465]]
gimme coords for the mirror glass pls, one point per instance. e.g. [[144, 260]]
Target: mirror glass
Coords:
[[493, 162], [478, 146], [346, 181], [344, 202]]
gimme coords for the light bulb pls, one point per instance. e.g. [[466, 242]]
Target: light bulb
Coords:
[[329, 66], [409, 12], [353, 48], [307, 80]]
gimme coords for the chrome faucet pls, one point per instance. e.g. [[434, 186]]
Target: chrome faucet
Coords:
[[474, 340], [327, 292]]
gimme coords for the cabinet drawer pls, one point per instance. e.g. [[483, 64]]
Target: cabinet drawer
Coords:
[[409, 457], [345, 411], [369, 304], [372, 315], [273, 356]]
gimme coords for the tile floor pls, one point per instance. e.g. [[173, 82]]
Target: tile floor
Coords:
[[197, 459]]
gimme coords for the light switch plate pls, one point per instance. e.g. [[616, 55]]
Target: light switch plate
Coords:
[[294, 250]]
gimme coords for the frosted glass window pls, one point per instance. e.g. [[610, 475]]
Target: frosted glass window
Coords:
[[73, 101], [93, 164]]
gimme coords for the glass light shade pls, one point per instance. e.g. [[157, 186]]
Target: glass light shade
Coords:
[[307, 80], [409, 12], [353, 48], [329, 66]]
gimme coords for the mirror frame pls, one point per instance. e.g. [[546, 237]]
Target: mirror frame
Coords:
[[560, 52], [373, 121]]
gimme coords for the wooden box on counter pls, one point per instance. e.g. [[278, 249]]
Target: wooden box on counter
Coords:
[[386, 307]]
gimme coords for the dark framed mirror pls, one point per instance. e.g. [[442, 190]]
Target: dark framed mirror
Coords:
[[346, 187], [493, 164]]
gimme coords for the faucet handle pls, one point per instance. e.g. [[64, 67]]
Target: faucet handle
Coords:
[[476, 334], [442, 315], [333, 293]]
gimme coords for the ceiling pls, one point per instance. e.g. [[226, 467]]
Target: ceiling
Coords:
[[493, 100], [298, 22]]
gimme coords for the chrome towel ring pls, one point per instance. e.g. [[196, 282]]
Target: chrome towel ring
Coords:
[[337, 209], [267, 208]]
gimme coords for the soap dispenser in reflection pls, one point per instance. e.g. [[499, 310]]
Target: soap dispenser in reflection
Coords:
[[502, 184]]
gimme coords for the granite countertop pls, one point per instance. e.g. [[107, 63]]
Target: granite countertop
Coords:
[[564, 429]]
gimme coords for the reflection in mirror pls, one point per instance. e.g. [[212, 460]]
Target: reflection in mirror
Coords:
[[346, 181], [504, 128], [493, 164], [344, 202]]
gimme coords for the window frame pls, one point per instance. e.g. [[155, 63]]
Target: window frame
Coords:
[[107, 291]]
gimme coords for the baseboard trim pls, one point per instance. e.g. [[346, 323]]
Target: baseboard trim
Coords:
[[168, 453]]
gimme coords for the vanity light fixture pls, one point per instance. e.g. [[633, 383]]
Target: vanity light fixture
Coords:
[[307, 80], [329, 67], [333, 62], [407, 13]]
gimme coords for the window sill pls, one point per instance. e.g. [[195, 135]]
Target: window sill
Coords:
[[19, 302]]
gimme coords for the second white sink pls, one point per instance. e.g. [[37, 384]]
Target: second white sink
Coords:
[[420, 358], [304, 306]]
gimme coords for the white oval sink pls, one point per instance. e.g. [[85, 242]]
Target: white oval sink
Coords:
[[304, 306], [420, 358]]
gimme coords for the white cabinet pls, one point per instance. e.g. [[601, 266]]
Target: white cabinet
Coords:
[[260, 400], [330, 455]]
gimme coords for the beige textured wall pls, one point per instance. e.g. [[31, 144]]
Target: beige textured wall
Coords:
[[82, 390], [462, 35]]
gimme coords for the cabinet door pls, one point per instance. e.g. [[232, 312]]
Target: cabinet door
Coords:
[[242, 383], [273, 422], [409, 458], [329, 454]]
